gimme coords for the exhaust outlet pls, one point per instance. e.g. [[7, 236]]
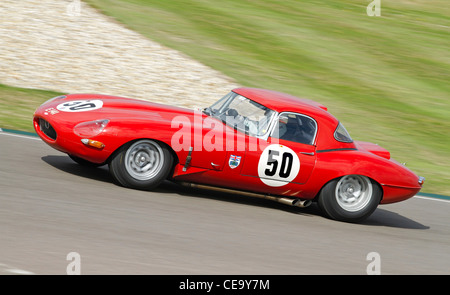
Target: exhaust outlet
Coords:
[[301, 203], [286, 201]]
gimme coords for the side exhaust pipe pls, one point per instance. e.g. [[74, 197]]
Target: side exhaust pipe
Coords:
[[292, 202], [283, 200], [302, 203]]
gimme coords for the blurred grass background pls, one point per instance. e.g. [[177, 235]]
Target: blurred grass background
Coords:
[[17, 106], [386, 78]]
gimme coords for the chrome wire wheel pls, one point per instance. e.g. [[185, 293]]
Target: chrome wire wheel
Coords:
[[144, 160], [353, 192]]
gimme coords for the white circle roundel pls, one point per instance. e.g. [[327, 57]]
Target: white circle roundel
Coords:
[[80, 105], [278, 165]]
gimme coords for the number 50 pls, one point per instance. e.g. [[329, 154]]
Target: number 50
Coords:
[[285, 167]]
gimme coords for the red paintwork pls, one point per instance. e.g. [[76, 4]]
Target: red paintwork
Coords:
[[327, 159]]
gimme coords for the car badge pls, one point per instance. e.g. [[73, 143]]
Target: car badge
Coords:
[[234, 161]]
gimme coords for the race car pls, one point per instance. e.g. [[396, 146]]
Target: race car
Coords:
[[254, 142]]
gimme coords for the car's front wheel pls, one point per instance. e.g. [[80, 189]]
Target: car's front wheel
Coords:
[[351, 198], [142, 164]]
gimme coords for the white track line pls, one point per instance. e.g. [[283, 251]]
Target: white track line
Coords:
[[4, 268], [432, 199], [19, 271], [18, 135]]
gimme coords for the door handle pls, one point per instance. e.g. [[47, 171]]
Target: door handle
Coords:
[[308, 154]]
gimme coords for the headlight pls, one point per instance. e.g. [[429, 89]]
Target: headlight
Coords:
[[91, 128]]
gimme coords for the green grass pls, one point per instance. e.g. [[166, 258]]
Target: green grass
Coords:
[[17, 106], [386, 78]]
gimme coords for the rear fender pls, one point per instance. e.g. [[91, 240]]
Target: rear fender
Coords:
[[387, 173]]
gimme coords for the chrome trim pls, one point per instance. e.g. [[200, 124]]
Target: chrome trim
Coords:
[[337, 150], [270, 127], [308, 154]]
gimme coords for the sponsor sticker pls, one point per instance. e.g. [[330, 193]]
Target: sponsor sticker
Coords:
[[234, 161]]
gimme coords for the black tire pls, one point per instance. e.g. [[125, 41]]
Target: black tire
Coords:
[[351, 198], [142, 164], [84, 162]]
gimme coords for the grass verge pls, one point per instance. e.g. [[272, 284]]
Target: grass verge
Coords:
[[17, 106]]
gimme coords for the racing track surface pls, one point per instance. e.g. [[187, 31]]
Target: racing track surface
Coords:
[[51, 206]]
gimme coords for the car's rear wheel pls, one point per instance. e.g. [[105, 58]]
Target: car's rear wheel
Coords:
[[141, 164], [351, 198]]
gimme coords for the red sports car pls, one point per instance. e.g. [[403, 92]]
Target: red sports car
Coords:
[[254, 142]]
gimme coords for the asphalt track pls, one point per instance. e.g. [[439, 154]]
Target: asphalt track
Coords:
[[51, 207]]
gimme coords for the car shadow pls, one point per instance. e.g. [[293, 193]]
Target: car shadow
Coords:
[[65, 164], [171, 187], [380, 217]]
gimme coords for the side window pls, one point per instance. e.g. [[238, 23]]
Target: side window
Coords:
[[341, 134], [296, 128]]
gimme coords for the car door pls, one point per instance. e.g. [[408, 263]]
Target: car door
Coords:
[[287, 157], [203, 142]]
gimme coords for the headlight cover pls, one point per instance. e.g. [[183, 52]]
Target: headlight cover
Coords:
[[91, 128]]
